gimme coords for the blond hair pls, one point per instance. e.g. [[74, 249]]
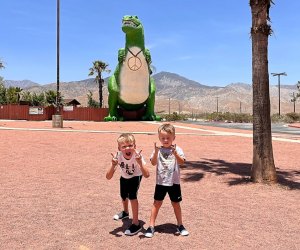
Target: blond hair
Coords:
[[126, 137], [167, 127]]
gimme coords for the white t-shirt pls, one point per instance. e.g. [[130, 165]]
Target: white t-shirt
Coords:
[[167, 169], [129, 168]]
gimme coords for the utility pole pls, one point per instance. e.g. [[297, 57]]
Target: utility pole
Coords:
[[217, 104], [57, 58], [279, 74], [240, 107], [169, 107], [57, 120]]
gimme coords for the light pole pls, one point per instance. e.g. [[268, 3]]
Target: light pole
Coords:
[[217, 104], [57, 58], [279, 74], [57, 120]]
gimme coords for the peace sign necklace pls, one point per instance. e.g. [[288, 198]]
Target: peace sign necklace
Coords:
[[134, 63]]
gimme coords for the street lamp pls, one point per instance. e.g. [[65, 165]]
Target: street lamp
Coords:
[[57, 120], [57, 59], [279, 74]]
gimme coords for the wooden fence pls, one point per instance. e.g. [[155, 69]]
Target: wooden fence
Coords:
[[25, 112]]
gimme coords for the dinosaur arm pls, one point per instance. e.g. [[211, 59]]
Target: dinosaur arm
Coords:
[[121, 55], [148, 56]]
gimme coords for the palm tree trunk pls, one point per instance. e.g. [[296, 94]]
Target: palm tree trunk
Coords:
[[100, 92], [263, 168]]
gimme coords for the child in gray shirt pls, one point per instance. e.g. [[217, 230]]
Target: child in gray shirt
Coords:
[[167, 159]]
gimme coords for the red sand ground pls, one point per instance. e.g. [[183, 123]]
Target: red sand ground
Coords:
[[54, 194]]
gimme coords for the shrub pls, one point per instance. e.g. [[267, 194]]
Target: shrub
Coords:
[[174, 117], [293, 116]]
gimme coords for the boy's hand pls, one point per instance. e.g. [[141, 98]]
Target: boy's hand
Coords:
[[138, 157], [173, 148], [114, 160], [156, 148]]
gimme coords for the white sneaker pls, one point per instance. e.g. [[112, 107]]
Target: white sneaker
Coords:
[[149, 232], [182, 230], [120, 216]]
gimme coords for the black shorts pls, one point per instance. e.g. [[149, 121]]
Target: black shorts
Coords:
[[129, 187], [173, 191]]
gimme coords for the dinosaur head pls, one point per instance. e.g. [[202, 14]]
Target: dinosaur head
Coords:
[[131, 24]]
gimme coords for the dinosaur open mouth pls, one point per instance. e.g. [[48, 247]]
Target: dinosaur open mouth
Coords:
[[129, 23]]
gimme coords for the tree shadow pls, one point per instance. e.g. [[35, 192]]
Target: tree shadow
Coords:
[[287, 178], [217, 167], [195, 170]]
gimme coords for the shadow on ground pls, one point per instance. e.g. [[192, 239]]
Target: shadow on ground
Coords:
[[119, 231], [195, 171], [167, 228]]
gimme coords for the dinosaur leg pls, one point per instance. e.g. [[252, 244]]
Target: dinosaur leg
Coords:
[[112, 100], [149, 114]]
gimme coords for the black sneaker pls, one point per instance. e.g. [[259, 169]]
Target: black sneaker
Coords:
[[133, 229], [182, 230], [149, 232], [120, 216]]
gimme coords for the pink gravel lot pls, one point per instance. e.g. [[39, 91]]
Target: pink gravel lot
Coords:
[[54, 194]]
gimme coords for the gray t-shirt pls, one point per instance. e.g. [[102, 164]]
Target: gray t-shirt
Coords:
[[167, 169]]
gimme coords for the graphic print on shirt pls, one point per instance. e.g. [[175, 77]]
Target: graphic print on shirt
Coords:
[[167, 160], [127, 169]]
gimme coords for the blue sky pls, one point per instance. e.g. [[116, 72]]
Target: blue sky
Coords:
[[204, 41]]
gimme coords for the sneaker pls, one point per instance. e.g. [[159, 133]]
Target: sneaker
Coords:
[[120, 216], [182, 230], [133, 229], [149, 232]]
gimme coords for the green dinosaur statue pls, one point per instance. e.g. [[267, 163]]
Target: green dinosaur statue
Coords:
[[131, 87]]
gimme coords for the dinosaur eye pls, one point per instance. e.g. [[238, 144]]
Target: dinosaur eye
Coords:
[[136, 17]]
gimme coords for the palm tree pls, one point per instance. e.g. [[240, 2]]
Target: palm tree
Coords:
[[50, 97], [26, 96], [3, 99], [1, 65], [18, 91], [12, 95], [98, 68], [263, 168]]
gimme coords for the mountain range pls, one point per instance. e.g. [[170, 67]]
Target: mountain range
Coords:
[[176, 93]]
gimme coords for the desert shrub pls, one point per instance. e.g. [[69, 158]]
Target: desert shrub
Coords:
[[227, 116], [174, 117], [293, 116]]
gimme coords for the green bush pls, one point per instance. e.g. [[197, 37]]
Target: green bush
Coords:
[[174, 117], [227, 116], [288, 118], [293, 116]]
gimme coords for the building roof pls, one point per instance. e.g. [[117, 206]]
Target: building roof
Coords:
[[71, 102]]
